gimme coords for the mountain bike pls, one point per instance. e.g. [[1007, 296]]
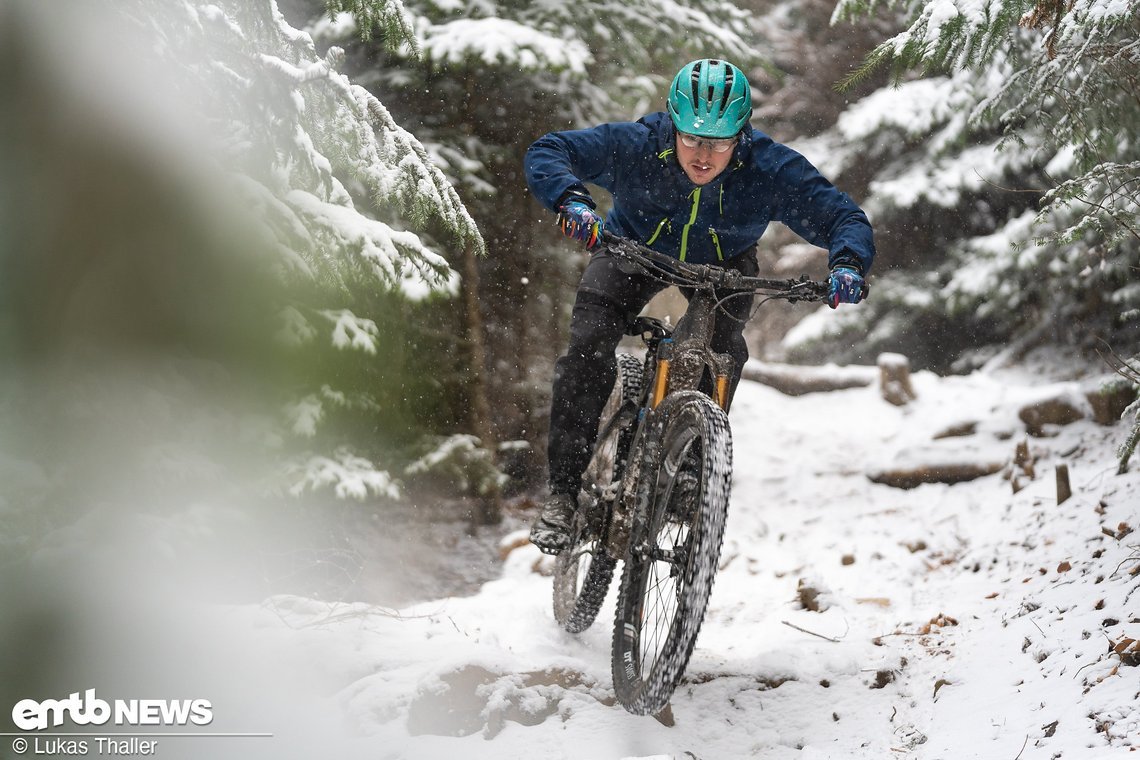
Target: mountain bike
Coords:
[[655, 493]]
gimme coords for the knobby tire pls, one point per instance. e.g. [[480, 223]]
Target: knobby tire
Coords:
[[583, 572], [675, 547]]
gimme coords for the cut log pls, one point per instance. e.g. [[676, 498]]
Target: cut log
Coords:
[[957, 430], [797, 380], [949, 473], [1108, 396]]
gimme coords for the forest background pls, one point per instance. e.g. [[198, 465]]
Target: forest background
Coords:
[[993, 144], [238, 234]]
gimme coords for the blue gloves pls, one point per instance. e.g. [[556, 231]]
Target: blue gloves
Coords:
[[580, 222], [845, 286]]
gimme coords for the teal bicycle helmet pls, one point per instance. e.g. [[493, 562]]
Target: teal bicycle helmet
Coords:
[[710, 98]]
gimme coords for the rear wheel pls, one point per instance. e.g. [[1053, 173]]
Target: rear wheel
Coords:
[[582, 573], [674, 551]]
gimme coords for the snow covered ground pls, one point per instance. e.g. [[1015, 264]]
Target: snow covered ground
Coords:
[[850, 619], [951, 621]]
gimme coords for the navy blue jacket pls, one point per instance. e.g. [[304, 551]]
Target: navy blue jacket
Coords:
[[657, 204]]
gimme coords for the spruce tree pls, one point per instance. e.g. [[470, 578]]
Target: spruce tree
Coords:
[[339, 208], [1001, 177]]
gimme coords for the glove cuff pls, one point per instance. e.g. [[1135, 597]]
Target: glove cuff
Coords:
[[848, 260], [572, 195]]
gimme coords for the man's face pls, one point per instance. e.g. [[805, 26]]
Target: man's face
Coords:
[[702, 158]]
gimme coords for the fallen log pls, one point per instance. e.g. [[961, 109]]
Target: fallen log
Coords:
[[949, 473], [798, 380]]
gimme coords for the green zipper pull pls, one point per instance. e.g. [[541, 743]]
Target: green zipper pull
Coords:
[[716, 243], [657, 231], [696, 196]]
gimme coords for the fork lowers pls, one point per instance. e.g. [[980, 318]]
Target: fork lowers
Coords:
[[661, 376], [722, 391]]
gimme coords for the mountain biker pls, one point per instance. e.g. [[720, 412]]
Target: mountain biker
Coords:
[[697, 183]]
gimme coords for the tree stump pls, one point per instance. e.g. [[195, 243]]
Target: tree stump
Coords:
[[1022, 466], [894, 379], [1024, 460], [1063, 489]]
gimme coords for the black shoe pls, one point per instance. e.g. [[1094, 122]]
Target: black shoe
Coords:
[[551, 531]]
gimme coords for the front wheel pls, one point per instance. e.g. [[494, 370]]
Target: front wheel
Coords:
[[674, 550]]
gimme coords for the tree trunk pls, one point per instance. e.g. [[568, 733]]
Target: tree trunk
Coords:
[[490, 512]]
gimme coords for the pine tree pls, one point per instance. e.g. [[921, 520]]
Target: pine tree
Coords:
[[1005, 176], [338, 189]]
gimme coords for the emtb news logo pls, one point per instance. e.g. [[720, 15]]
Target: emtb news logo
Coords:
[[89, 710]]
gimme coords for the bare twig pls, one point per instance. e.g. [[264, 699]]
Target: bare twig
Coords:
[[1087, 665], [813, 633], [1024, 744], [1122, 563], [1118, 364]]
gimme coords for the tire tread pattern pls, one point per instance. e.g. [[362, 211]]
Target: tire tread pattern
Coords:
[[648, 693], [575, 609]]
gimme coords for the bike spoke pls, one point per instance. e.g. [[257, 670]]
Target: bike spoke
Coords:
[[664, 586], [661, 619]]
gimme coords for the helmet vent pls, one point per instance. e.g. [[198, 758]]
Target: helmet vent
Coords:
[[729, 75]]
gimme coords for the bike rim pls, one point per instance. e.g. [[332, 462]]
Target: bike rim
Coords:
[[666, 572], [582, 559]]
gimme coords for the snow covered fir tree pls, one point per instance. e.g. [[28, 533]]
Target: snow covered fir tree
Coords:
[[1025, 132], [1006, 173]]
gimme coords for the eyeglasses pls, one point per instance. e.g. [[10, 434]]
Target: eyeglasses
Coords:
[[716, 145]]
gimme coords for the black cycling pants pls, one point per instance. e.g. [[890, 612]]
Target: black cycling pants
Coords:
[[607, 299]]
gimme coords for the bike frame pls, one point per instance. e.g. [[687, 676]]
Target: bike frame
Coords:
[[658, 484], [678, 360]]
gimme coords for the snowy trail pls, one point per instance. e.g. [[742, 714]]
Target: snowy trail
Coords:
[[954, 621]]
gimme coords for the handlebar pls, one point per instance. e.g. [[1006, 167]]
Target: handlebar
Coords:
[[701, 276]]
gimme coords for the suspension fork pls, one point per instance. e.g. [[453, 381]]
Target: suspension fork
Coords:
[[682, 360]]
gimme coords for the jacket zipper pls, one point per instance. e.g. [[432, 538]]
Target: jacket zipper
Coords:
[[716, 243], [657, 231], [696, 196]]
